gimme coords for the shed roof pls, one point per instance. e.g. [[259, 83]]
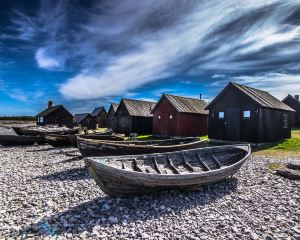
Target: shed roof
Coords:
[[98, 110], [50, 110], [138, 108], [291, 97], [115, 106], [185, 104], [79, 117], [263, 98]]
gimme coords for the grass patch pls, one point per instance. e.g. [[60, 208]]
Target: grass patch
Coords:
[[146, 137], [285, 148]]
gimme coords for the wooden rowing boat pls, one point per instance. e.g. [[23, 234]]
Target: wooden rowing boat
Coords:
[[122, 176], [90, 147], [57, 140], [105, 132], [16, 140]]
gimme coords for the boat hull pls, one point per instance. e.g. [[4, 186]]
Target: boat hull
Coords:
[[15, 140], [121, 183], [113, 137], [106, 148]]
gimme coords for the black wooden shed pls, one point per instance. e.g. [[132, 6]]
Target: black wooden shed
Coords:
[[84, 120], [294, 103], [111, 120], [99, 114], [57, 115], [134, 116], [241, 113]]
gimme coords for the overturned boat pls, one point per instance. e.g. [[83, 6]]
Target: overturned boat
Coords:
[[42, 130], [122, 176], [91, 147], [15, 140]]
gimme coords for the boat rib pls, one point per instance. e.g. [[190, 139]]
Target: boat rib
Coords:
[[203, 164], [156, 165], [187, 165], [171, 165], [135, 166], [216, 161]]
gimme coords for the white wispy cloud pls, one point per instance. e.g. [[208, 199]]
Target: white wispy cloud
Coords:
[[45, 61], [122, 45]]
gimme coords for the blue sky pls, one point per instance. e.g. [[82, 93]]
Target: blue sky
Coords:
[[86, 54]]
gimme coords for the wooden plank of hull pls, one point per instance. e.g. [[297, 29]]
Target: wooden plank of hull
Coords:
[[117, 182], [58, 140], [103, 148]]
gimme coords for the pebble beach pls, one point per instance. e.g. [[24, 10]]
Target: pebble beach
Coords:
[[46, 193]]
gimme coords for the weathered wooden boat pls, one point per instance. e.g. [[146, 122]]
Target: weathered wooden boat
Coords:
[[113, 137], [122, 176], [17, 130], [16, 140], [105, 132], [40, 131], [91, 147], [58, 140]]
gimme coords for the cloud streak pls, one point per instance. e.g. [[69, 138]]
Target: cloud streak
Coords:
[[118, 46]]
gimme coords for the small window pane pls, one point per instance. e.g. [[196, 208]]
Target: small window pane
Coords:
[[41, 119], [285, 121], [171, 116], [221, 115], [246, 114]]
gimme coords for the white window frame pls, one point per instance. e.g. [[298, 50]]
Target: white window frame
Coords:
[[41, 119], [247, 116], [221, 115]]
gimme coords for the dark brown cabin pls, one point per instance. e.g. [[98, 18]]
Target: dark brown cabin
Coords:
[[99, 114], [84, 120], [179, 116], [294, 103], [57, 115], [111, 120], [134, 116], [241, 113]]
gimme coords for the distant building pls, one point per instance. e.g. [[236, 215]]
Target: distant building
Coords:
[[111, 120], [179, 116], [294, 103], [84, 120], [134, 116], [241, 113], [57, 115], [99, 114]]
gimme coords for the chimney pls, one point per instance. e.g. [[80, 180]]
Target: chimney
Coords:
[[200, 96], [297, 97], [50, 103]]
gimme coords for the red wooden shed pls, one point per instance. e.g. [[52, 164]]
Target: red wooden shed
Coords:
[[179, 116]]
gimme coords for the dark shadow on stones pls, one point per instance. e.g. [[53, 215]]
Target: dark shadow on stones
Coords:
[[133, 209], [73, 174], [73, 159]]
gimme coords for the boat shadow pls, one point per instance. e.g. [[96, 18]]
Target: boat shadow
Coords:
[[106, 211], [73, 174], [73, 159]]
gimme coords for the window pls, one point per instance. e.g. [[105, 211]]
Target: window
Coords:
[[158, 116], [171, 116], [246, 114], [221, 115], [285, 121], [41, 119]]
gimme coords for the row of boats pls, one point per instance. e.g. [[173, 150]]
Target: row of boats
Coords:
[[124, 168]]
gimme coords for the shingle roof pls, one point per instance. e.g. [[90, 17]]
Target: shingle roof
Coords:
[[115, 106], [80, 117], [98, 110], [49, 110], [185, 104], [138, 108], [262, 98]]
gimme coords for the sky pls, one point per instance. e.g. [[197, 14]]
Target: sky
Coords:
[[85, 54]]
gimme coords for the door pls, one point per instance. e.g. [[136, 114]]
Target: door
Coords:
[[164, 124], [233, 124]]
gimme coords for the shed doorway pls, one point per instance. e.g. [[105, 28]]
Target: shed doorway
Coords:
[[164, 124], [233, 124]]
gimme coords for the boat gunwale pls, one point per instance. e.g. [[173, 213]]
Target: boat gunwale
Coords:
[[100, 163], [125, 145]]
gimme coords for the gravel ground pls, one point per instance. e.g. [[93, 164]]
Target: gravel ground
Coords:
[[47, 194]]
